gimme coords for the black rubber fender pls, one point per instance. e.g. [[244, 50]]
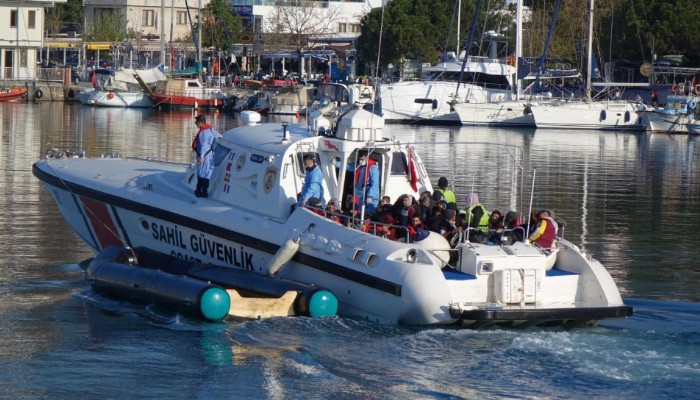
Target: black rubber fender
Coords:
[[38, 94], [71, 94]]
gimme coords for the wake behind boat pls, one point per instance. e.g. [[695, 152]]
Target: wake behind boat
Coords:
[[248, 222]]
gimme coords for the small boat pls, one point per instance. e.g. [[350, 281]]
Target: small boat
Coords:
[[674, 117], [13, 93], [177, 93], [694, 128], [249, 222], [121, 88]]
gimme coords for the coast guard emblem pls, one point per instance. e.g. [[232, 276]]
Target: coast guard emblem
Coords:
[[240, 162], [269, 179]]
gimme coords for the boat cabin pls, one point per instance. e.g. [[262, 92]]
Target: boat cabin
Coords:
[[260, 168], [186, 88]]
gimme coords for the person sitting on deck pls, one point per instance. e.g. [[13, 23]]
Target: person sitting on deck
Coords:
[[495, 221], [406, 210], [332, 212], [545, 231], [416, 230], [446, 193], [476, 215]]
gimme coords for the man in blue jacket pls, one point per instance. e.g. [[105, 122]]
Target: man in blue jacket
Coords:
[[313, 182]]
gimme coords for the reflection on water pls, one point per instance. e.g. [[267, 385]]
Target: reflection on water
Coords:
[[631, 200]]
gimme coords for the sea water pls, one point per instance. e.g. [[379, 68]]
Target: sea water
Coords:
[[631, 200]]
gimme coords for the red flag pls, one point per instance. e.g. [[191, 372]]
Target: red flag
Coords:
[[412, 171]]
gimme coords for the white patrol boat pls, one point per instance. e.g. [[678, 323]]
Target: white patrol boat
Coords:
[[248, 223]]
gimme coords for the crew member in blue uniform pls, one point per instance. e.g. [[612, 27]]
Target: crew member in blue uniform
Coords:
[[313, 182], [203, 146]]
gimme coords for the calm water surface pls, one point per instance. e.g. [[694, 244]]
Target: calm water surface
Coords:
[[631, 200]]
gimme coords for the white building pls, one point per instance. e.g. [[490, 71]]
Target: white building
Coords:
[[21, 36], [171, 18]]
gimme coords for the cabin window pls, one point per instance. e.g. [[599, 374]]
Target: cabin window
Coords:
[[399, 166], [192, 84], [220, 153], [300, 161]]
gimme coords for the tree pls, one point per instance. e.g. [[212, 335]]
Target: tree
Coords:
[[62, 14], [108, 27], [422, 29], [222, 25], [298, 25]]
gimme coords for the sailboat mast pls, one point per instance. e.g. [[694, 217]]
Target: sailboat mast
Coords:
[[199, 37], [459, 13], [518, 45], [590, 52]]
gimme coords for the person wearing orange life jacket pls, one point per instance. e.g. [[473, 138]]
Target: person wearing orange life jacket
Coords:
[[545, 231], [366, 182]]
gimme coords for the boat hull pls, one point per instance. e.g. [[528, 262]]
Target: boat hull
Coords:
[[101, 98], [507, 113], [13, 94], [661, 122], [595, 115], [173, 101], [102, 219]]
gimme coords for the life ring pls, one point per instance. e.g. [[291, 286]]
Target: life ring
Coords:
[[38, 94], [692, 104], [697, 89], [110, 95]]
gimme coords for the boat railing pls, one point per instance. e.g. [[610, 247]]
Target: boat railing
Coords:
[[381, 229]]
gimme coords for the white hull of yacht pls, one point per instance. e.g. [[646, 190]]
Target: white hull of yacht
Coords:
[[101, 98], [612, 115], [246, 223], [506, 113]]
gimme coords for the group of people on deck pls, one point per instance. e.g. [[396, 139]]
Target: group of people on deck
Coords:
[[411, 220]]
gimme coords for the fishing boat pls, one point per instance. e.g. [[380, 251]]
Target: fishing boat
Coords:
[[678, 115], [13, 93], [178, 93], [250, 222]]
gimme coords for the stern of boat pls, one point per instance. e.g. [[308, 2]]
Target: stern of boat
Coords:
[[522, 285]]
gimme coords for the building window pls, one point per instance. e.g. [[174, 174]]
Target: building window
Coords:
[[181, 18], [13, 18], [342, 27], [22, 57], [31, 19], [355, 28], [149, 18]]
